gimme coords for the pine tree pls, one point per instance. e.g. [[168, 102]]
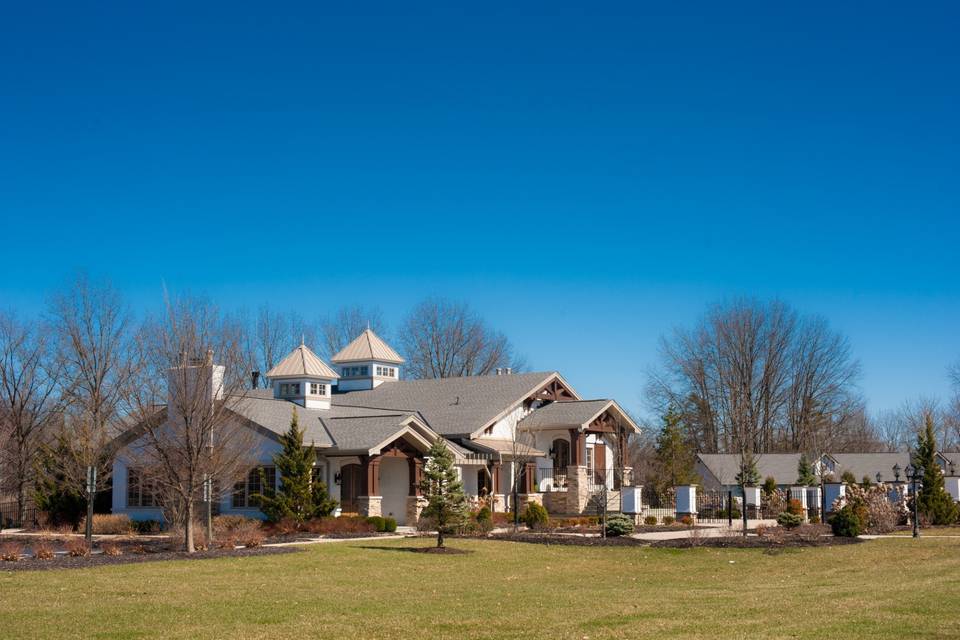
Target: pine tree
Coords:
[[748, 476], [299, 497], [446, 502], [675, 459], [934, 502], [805, 475]]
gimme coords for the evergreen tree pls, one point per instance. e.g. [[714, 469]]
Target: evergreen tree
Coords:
[[52, 493], [446, 502], [805, 475], [934, 502], [675, 458], [748, 476], [299, 497]]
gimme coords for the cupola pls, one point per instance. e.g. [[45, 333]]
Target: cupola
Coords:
[[304, 378], [367, 362]]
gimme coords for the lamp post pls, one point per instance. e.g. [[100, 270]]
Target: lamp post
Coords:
[[879, 478], [914, 473]]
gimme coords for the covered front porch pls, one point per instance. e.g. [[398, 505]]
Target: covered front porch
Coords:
[[584, 468]]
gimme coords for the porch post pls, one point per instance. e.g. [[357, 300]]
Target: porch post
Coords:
[[498, 502], [370, 503], [415, 502]]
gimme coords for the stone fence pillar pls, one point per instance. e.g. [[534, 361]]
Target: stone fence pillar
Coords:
[[686, 500], [832, 491]]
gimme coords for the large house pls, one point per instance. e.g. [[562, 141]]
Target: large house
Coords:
[[371, 430]]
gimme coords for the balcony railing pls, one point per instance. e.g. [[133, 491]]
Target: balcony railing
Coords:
[[550, 479]]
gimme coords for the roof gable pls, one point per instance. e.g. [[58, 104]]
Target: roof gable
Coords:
[[302, 362], [367, 346]]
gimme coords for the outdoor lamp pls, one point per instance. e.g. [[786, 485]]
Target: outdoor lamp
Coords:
[[879, 477], [953, 469], [336, 478], [914, 473], [896, 472]]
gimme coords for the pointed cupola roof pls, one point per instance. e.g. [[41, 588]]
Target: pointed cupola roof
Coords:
[[302, 363], [367, 346]]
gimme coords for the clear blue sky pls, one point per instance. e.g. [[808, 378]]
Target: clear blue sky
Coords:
[[586, 176]]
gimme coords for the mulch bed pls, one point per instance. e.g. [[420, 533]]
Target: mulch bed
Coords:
[[67, 562], [572, 541], [444, 551]]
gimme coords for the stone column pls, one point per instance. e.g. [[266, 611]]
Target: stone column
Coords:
[[686, 500], [578, 489], [370, 505]]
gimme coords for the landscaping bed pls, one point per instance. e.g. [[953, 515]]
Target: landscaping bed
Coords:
[[150, 554], [569, 540], [809, 535]]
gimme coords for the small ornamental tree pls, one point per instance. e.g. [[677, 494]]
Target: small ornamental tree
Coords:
[[934, 502], [748, 476], [446, 502], [769, 486], [805, 475], [299, 498], [848, 478]]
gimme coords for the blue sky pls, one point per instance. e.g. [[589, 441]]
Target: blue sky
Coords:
[[587, 176]]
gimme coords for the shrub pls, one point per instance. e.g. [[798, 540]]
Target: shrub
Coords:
[[789, 520], [619, 525], [650, 520], [109, 524], [77, 548], [846, 522], [10, 551], [668, 520], [484, 519], [686, 521], [795, 507], [814, 519], [111, 549], [535, 516], [226, 541], [146, 527], [378, 523], [253, 539], [872, 505], [760, 530], [328, 525], [769, 485], [848, 478], [389, 524], [43, 550]]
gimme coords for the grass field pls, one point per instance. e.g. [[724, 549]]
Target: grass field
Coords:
[[880, 589]]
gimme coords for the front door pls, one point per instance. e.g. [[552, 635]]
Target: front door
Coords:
[[599, 464], [395, 487], [351, 486]]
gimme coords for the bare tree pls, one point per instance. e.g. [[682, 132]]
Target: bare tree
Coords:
[[522, 452], [91, 325], [756, 377], [199, 439], [339, 329], [268, 338], [28, 403], [444, 339]]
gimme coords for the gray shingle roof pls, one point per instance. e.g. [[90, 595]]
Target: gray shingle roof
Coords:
[[361, 433], [868, 464], [725, 466], [451, 406], [565, 413]]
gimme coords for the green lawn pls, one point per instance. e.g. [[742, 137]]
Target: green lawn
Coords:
[[880, 589]]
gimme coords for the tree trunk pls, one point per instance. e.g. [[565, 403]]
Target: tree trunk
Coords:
[[440, 537], [188, 528]]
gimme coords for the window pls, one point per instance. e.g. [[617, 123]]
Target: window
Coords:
[[353, 372], [290, 389], [589, 457], [139, 491], [318, 389], [386, 372], [244, 492]]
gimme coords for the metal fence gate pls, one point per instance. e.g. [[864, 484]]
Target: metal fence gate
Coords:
[[717, 507]]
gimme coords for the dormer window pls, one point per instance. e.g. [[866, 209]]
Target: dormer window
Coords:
[[386, 372], [356, 372], [318, 389], [288, 389]]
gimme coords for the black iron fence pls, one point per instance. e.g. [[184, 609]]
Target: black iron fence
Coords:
[[11, 518], [551, 479]]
